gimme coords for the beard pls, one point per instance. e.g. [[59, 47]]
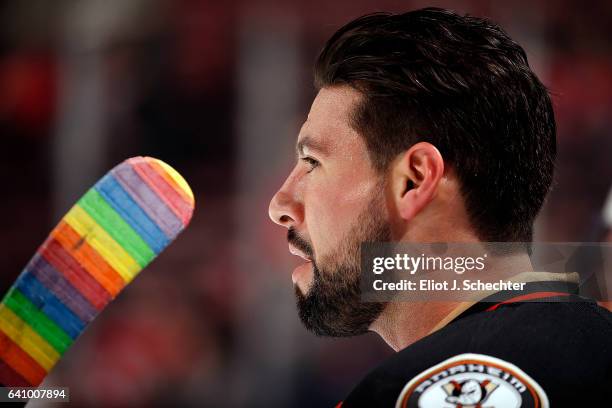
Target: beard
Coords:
[[333, 306]]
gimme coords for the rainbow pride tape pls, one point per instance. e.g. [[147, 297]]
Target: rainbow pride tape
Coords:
[[116, 229]]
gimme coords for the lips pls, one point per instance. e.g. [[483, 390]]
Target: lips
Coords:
[[295, 251]]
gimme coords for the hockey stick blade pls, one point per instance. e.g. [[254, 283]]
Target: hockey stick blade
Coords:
[[115, 230]]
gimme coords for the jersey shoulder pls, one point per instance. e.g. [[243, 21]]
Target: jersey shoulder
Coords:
[[533, 352]]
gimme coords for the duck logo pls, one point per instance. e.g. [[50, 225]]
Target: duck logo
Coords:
[[472, 381], [468, 393]]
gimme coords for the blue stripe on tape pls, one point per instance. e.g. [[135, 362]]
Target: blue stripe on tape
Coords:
[[49, 304], [130, 211]]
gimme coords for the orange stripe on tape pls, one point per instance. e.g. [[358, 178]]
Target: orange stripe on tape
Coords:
[[89, 258]]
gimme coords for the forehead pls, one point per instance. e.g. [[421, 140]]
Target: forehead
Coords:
[[329, 121]]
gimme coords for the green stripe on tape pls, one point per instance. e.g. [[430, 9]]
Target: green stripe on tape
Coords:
[[37, 320], [95, 205]]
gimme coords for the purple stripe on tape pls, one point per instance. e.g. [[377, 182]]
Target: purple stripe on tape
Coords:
[[148, 200], [61, 288]]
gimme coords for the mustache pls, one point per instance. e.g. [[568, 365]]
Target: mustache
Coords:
[[299, 242]]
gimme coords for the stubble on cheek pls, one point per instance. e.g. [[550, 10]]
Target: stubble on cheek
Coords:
[[336, 204]]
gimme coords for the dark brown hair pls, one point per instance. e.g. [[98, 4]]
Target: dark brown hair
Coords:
[[462, 84]]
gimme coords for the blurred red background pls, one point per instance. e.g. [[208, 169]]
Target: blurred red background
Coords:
[[219, 90]]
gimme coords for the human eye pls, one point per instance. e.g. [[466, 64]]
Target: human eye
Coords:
[[312, 163]]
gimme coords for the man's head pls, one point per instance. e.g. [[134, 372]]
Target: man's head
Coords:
[[427, 126]]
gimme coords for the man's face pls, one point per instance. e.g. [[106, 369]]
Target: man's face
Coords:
[[331, 202]]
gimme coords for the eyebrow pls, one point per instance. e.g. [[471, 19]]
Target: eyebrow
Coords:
[[309, 143]]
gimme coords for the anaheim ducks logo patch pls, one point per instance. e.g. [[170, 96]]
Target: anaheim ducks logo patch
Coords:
[[472, 381]]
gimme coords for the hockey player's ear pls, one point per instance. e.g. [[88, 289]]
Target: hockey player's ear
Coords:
[[415, 177]]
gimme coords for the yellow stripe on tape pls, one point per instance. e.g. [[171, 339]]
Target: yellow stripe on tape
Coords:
[[26, 338], [104, 244], [178, 179]]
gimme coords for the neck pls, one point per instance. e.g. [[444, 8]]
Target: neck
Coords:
[[403, 323]]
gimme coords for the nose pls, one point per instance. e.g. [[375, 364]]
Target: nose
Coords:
[[285, 209]]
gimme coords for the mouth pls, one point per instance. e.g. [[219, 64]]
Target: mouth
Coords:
[[295, 251]]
